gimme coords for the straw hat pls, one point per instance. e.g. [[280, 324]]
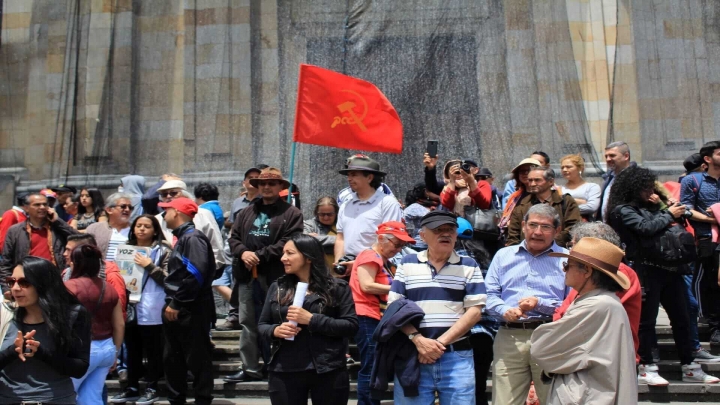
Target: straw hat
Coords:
[[600, 255], [270, 173], [527, 161]]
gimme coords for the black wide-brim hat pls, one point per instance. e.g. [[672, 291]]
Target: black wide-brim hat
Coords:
[[361, 163]]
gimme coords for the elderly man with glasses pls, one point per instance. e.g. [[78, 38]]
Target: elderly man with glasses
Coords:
[[524, 286], [113, 233]]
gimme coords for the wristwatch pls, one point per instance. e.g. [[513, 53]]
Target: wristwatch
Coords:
[[412, 335]]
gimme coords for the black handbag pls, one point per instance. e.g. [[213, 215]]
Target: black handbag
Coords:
[[484, 222]]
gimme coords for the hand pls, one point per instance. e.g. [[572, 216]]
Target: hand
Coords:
[[672, 201], [469, 179], [142, 260], [26, 346], [429, 162], [429, 350], [51, 215], [114, 363], [527, 304], [250, 259], [654, 198], [677, 210], [7, 295], [286, 330], [171, 314], [513, 314], [299, 315]]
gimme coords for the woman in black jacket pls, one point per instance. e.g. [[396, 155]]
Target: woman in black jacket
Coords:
[[639, 222], [315, 360]]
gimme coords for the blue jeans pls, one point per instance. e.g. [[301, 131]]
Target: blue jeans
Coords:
[[225, 279], [452, 377], [89, 387], [692, 306], [366, 346]]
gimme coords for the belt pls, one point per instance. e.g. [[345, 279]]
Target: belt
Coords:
[[463, 344], [523, 325]]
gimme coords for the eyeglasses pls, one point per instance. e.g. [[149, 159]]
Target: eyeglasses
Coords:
[[566, 267], [164, 194], [397, 245], [543, 227], [326, 214], [271, 183], [22, 282], [123, 206]]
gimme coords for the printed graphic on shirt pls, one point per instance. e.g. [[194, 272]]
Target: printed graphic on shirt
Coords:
[[261, 226]]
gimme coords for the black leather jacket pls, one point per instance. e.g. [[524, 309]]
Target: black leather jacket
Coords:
[[636, 226], [329, 329]]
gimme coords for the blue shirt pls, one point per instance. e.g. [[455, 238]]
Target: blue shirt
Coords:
[[699, 191], [515, 274], [442, 294], [214, 207]]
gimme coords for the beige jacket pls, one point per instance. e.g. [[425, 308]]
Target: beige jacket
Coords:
[[590, 352]]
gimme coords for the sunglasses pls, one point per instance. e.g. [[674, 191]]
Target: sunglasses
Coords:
[[397, 245], [271, 183], [326, 214], [164, 194], [566, 267], [124, 206], [22, 282]]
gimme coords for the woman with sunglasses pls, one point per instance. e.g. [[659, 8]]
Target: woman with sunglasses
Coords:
[[90, 209], [322, 226], [108, 326], [113, 233], [46, 342], [314, 361], [370, 281], [144, 332]]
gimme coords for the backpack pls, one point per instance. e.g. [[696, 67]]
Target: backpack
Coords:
[[673, 247]]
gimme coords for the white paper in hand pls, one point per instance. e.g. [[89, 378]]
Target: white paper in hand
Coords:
[[300, 291]]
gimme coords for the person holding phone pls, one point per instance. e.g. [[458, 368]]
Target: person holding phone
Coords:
[[42, 234], [47, 337], [462, 189]]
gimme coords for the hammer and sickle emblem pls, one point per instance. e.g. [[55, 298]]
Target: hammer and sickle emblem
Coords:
[[348, 107]]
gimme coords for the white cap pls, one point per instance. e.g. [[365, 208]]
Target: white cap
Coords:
[[170, 184]]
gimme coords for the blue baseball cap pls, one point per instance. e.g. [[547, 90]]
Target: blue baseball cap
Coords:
[[465, 230]]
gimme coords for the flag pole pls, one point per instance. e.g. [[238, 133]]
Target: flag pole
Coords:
[[292, 171]]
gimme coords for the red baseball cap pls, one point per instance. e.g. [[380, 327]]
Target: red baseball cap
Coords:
[[396, 229], [184, 205]]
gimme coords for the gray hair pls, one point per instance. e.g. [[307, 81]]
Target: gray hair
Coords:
[[595, 230], [112, 200], [385, 236], [548, 174], [622, 147], [545, 211]]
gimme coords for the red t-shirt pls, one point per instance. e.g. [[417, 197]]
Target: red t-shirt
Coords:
[[39, 243], [88, 290], [370, 305]]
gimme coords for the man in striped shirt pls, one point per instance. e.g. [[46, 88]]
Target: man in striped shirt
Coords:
[[524, 286], [451, 292]]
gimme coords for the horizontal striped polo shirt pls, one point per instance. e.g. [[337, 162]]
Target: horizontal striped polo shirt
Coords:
[[443, 295]]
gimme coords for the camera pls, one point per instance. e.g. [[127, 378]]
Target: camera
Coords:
[[687, 214], [342, 269], [466, 167]]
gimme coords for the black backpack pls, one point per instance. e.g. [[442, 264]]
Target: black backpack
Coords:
[[674, 246]]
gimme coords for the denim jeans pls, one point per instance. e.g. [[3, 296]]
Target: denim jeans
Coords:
[[692, 306], [366, 346], [89, 387], [452, 377]]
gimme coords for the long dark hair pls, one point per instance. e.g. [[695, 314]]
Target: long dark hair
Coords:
[[86, 261], [159, 236], [627, 187], [98, 203], [321, 282], [54, 300]]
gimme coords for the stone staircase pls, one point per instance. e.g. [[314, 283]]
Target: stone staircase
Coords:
[[226, 361]]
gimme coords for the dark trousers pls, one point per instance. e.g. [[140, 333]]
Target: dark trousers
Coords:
[[667, 288], [705, 286], [147, 340], [482, 345], [187, 348], [366, 347], [331, 388]]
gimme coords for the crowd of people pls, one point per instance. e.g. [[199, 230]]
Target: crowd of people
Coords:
[[554, 287]]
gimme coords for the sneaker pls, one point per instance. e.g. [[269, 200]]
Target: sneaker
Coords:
[[129, 395], [148, 398], [648, 374], [703, 356], [715, 337], [122, 375], [349, 361], [692, 373], [229, 324]]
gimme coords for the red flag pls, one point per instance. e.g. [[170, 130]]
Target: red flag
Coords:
[[344, 112]]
